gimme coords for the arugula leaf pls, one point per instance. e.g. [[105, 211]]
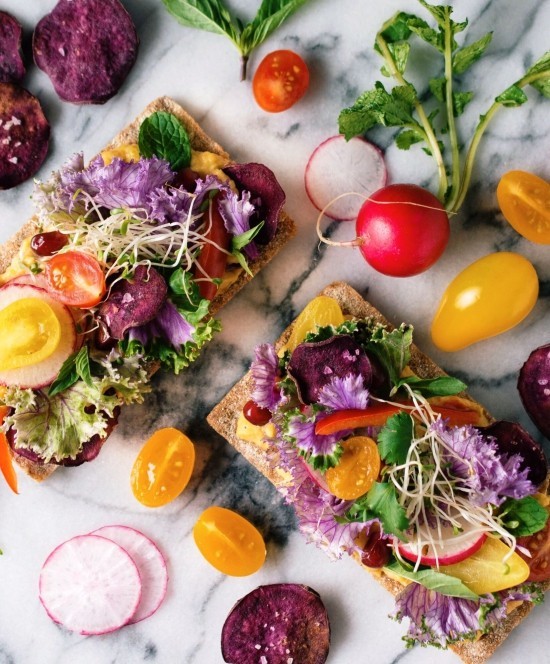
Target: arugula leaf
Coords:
[[524, 517], [441, 386], [392, 348], [395, 438], [75, 366], [433, 580], [214, 16], [381, 502], [163, 135]]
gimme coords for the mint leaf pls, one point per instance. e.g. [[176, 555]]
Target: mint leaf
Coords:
[[465, 57], [512, 97], [433, 580], [381, 502], [392, 348], [75, 366], [397, 28], [162, 135], [442, 386], [427, 34], [394, 440], [524, 517], [271, 14]]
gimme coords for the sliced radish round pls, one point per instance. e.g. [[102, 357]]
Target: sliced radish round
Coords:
[[339, 167], [44, 372], [445, 547], [150, 563], [90, 585]]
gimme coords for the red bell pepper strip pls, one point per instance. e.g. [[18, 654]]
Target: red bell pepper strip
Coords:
[[6, 463], [212, 261]]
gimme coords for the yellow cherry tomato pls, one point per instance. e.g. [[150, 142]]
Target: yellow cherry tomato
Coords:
[[490, 296], [163, 467], [321, 311], [31, 332], [357, 469], [229, 542], [487, 571], [524, 200]]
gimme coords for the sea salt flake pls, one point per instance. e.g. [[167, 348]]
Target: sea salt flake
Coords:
[[13, 160]]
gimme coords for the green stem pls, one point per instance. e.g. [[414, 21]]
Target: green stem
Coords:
[[478, 134], [428, 129], [244, 63], [451, 122]]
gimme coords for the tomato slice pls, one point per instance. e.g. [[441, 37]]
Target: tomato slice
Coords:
[[212, 260], [229, 542], [6, 463], [524, 200], [75, 279], [357, 469], [320, 311], [539, 547], [163, 467], [281, 79]]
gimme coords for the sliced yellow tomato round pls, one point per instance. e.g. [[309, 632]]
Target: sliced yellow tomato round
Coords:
[[488, 297], [163, 467], [229, 542], [524, 199], [321, 311], [357, 469], [486, 572], [31, 333]]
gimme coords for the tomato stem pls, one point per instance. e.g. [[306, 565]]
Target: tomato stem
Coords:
[[244, 63]]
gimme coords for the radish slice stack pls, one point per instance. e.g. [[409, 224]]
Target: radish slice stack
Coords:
[[97, 583]]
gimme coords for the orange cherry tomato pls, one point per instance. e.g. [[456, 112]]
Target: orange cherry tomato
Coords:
[[229, 542], [281, 79], [524, 200], [163, 467], [212, 260], [75, 279], [357, 469], [6, 463]]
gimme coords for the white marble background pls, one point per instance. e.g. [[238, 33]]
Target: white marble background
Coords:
[[201, 71]]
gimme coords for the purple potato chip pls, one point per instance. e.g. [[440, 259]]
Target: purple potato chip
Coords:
[[276, 624], [12, 68], [261, 182], [511, 438], [24, 135], [133, 302], [314, 364], [87, 48], [534, 388]]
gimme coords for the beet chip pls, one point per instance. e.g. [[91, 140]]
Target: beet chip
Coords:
[[276, 624], [87, 48], [24, 135], [12, 68], [133, 302], [534, 388]]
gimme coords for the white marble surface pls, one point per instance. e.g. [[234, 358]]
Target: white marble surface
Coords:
[[200, 70]]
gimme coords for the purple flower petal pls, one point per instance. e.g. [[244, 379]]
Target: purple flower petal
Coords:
[[236, 214], [168, 324], [343, 393], [301, 431], [265, 370]]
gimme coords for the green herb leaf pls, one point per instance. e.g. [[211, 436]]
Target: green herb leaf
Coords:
[[381, 502], [437, 88], [238, 242], [400, 54], [512, 97], [524, 517], [163, 135], [408, 137], [185, 294], [433, 580], [541, 70], [271, 14], [460, 101], [397, 28], [427, 34], [442, 386], [210, 15], [75, 366], [465, 57], [392, 348], [394, 440]]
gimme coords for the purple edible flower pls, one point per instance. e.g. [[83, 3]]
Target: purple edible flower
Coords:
[[168, 324], [236, 214], [301, 431], [493, 477], [265, 371], [171, 205], [344, 393]]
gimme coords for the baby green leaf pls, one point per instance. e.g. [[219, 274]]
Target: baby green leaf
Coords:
[[400, 54], [409, 137], [210, 15], [441, 386], [395, 438], [465, 57], [163, 135], [460, 101], [437, 581], [269, 17], [396, 29], [382, 501], [524, 517], [75, 366], [429, 35], [512, 96], [392, 349], [541, 69]]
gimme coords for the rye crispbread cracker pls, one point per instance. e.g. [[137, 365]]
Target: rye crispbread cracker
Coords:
[[199, 141], [223, 418]]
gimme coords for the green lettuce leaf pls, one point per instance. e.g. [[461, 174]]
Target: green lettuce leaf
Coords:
[[433, 580]]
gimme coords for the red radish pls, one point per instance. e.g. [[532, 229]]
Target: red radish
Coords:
[[90, 585], [447, 548], [150, 563], [340, 167], [43, 372], [316, 475]]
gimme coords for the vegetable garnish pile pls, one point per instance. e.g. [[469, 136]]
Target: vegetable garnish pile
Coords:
[[403, 473], [131, 251]]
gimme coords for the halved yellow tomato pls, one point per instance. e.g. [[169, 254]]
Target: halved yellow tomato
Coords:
[[163, 467], [357, 469], [321, 311], [524, 199]]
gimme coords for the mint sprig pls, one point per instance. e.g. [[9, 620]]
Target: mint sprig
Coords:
[[404, 107], [214, 16], [162, 135]]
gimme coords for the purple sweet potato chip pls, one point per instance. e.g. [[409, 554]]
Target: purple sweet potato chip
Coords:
[[266, 192], [87, 48], [12, 68], [314, 364], [511, 438], [276, 624], [133, 302], [534, 388], [24, 135]]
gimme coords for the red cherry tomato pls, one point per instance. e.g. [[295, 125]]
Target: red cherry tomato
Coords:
[[75, 279], [539, 547], [402, 230], [212, 260], [256, 414], [281, 79]]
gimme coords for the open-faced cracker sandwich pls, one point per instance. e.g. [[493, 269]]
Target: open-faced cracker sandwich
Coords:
[[386, 458]]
